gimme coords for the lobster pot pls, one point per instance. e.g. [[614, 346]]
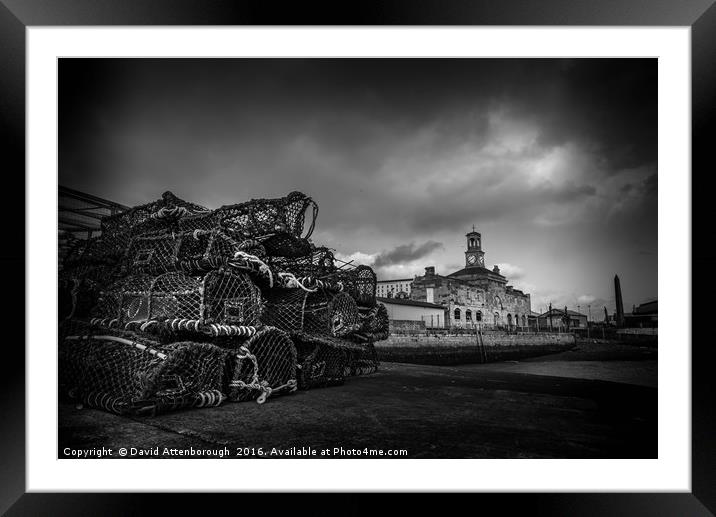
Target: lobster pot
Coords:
[[318, 263], [79, 287], [181, 301], [93, 252], [322, 360], [284, 244], [361, 360], [263, 217], [360, 283], [375, 324], [131, 375], [152, 216], [76, 296], [207, 221], [320, 312], [190, 251], [276, 359]]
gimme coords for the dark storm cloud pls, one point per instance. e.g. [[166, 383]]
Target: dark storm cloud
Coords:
[[355, 108], [405, 253], [557, 153]]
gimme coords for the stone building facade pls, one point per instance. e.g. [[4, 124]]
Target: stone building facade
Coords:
[[474, 294], [399, 288]]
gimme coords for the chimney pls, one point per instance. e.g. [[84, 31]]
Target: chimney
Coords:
[[430, 271]]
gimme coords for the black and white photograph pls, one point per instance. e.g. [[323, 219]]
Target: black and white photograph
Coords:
[[357, 258]]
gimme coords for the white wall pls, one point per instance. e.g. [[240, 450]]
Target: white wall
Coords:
[[409, 312]]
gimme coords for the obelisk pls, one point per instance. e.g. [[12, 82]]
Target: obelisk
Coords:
[[618, 298]]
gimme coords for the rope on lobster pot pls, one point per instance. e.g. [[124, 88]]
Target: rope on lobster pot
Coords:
[[263, 267], [290, 280], [265, 394], [146, 324]]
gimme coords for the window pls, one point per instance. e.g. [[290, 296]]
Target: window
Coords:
[[478, 316], [468, 315], [457, 314]]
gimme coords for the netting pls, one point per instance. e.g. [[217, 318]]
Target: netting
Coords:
[[362, 360], [317, 263], [276, 358], [360, 282], [264, 217], [327, 361], [374, 324], [321, 312], [150, 216], [189, 251], [177, 306], [219, 303], [133, 375]]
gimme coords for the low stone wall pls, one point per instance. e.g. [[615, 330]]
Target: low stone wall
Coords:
[[406, 326], [445, 350], [489, 338]]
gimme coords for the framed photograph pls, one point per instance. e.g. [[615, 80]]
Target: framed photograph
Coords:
[[417, 252]]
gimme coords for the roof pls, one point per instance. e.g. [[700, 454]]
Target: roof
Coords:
[[396, 280], [475, 270], [81, 212], [412, 303], [560, 312], [650, 307]]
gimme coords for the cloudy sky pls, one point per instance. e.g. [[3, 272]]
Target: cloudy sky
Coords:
[[553, 161]]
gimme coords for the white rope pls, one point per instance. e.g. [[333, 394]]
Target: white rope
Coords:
[[263, 267], [290, 280], [124, 342]]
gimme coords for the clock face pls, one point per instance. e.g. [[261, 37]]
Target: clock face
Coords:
[[471, 259], [481, 261]]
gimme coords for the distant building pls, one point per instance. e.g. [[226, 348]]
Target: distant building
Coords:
[[474, 294], [556, 320], [644, 315], [429, 315], [399, 288]]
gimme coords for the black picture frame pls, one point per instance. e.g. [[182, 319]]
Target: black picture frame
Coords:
[[700, 15]]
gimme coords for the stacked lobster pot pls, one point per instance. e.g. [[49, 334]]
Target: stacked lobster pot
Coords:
[[175, 305]]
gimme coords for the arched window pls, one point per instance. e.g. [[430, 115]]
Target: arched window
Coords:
[[524, 320], [457, 314], [472, 243], [496, 317], [478, 316], [468, 315], [509, 320]]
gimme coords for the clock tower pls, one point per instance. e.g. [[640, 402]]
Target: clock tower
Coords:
[[474, 256]]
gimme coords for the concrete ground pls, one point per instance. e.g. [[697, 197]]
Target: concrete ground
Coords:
[[592, 402]]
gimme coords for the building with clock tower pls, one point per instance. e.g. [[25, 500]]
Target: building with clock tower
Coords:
[[474, 294]]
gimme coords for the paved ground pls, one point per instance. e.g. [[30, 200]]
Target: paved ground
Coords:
[[544, 407]]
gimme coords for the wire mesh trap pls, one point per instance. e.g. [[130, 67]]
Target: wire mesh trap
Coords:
[[317, 312], [132, 375], [220, 302], [178, 306], [327, 361]]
